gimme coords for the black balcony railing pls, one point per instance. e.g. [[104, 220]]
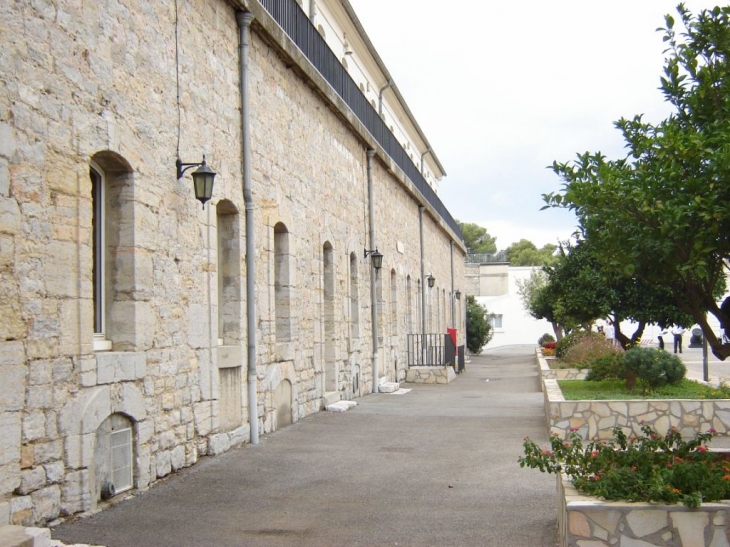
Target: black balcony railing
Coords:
[[299, 28], [501, 256]]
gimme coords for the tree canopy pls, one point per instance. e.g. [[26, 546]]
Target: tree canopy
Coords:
[[526, 253], [661, 215], [476, 238]]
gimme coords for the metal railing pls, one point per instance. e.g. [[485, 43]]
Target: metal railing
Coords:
[[299, 28], [426, 350], [501, 256]]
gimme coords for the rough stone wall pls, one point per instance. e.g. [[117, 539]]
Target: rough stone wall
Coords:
[[587, 521], [597, 419], [85, 83]]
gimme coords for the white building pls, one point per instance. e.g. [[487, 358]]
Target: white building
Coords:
[[495, 286]]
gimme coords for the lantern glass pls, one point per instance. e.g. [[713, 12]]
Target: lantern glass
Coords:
[[377, 258], [203, 178], [431, 281]]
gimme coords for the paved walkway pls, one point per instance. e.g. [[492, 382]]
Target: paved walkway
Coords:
[[434, 467]]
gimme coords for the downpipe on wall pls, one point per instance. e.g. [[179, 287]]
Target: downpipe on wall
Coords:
[[244, 20], [373, 273]]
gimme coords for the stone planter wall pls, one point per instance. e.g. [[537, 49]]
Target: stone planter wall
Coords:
[[596, 419], [585, 521], [430, 375], [559, 373]]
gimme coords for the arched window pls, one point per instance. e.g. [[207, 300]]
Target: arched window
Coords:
[[229, 273], [282, 286], [354, 299], [409, 306], [328, 285], [393, 303], [114, 456]]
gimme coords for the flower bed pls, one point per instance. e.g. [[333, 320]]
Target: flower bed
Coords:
[[641, 481], [596, 419]]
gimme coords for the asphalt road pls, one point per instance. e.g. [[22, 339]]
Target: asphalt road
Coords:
[[434, 467], [693, 360]]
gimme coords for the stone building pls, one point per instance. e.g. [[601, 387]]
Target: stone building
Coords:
[[141, 331]]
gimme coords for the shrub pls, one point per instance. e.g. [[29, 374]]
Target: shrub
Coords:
[[648, 468], [549, 345], [548, 352], [478, 330], [567, 342], [547, 337], [588, 347], [653, 367], [606, 367]]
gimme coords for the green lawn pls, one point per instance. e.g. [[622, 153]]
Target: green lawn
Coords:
[[581, 390]]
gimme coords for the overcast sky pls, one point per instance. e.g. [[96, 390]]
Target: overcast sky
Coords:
[[502, 89]]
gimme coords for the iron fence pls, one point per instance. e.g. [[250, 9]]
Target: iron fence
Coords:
[[299, 28], [475, 258], [427, 350]]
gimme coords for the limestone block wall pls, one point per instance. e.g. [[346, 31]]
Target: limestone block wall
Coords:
[[88, 88]]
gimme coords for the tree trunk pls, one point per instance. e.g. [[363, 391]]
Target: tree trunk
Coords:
[[630, 379]]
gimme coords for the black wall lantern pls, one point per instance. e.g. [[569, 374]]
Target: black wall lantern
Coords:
[[431, 281], [203, 178], [376, 258], [457, 294]]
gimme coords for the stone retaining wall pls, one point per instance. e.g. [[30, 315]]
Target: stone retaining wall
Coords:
[[559, 373], [430, 375], [585, 521], [596, 419]]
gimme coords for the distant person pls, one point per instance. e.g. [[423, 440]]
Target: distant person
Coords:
[[677, 332], [662, 334]]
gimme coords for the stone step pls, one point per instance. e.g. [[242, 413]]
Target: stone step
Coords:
[[20, 536], [331, 397], [388, 387], [341, 406]]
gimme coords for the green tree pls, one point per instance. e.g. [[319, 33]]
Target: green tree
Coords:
[[585, 291], [478, 329], [476, 238], [526, 253], [539, 302], [662, 214]]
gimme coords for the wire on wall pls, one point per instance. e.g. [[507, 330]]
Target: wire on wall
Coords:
[[177, 79]]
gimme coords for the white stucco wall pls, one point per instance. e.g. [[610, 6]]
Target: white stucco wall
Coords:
[[518, 327]]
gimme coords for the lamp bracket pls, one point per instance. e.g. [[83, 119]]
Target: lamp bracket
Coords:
[[182, 167]]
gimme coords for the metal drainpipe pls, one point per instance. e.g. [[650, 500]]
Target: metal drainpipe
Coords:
[[373, 273], [380, 97], [312, 10], [421, 208], [244, 20], [422, 156], [453, 319]]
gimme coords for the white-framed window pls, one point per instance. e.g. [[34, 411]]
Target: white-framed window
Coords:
[[98, 198], [495, 320]]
